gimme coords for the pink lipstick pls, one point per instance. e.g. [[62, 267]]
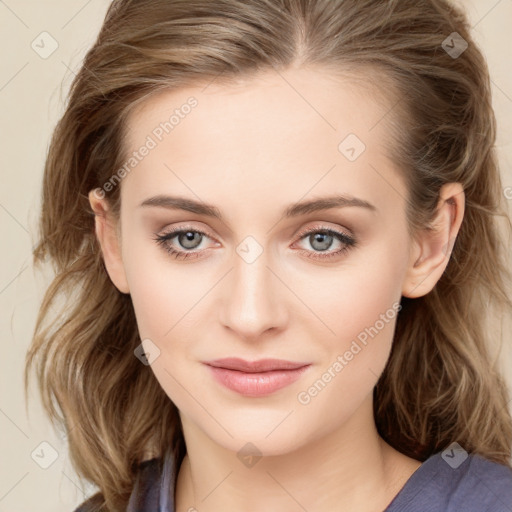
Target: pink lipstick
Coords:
[[256, 378]]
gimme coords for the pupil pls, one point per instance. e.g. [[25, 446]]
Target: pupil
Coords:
[[321, 237], [188, 241]]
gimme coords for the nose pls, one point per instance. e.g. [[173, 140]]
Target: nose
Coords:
[[253, 299]]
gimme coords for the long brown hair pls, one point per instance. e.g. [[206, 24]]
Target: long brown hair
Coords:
[[440, 384]]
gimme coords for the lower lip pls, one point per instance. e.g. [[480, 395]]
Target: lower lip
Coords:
[[256, 384]]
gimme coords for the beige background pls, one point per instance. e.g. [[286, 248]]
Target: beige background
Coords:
[[32, 92]]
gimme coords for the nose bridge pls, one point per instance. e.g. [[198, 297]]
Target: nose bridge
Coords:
[[253, 300]]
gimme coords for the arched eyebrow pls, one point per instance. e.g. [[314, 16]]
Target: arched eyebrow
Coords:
[[293, 210]]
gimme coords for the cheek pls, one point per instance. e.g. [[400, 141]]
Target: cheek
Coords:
[[360, 307], [357, 295], [163, 292]]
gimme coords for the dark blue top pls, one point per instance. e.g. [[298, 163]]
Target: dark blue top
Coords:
[[476, 485]]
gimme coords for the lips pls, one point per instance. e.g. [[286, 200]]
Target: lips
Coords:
[[262, 365], [256, 378]]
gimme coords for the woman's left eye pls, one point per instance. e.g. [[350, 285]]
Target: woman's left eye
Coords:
[[320, 239]]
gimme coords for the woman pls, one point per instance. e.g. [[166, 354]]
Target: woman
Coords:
[[275, 224]]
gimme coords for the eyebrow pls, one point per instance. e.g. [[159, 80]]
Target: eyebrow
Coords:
[[294, 210]]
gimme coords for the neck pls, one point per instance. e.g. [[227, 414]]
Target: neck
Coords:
[[348, 469]]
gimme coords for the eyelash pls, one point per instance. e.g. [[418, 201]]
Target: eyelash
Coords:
[[348, 241]]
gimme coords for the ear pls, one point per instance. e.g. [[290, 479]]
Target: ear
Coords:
[[109, 240], [431, 249]]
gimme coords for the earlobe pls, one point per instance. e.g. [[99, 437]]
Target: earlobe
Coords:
[[108, 239], [432, 248]]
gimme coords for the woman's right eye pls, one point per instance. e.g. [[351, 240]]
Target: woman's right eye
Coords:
[[188, 239]]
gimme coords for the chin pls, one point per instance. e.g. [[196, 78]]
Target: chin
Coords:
[[258, 446], [258, 438]]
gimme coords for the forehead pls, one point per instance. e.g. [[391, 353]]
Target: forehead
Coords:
[[297, 129], [339, 101]]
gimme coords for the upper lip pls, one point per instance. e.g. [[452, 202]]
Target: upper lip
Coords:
[[262, 365]]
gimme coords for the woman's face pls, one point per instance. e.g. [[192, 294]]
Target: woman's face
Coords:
[[252, 282]]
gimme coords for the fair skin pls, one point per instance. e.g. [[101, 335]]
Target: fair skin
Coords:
[[252, 151]]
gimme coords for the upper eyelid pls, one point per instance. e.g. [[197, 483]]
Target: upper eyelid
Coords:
[[185, 229], [305, 231], [322, 226]]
